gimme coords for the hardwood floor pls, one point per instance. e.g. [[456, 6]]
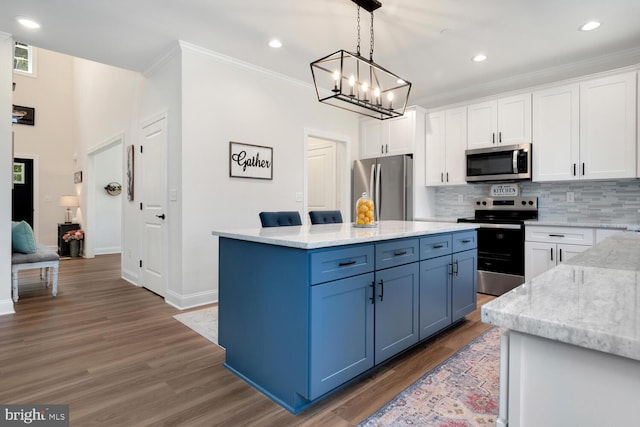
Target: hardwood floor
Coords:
[[116, 355]]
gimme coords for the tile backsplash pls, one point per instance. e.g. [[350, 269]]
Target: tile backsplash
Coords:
[[615, 202]]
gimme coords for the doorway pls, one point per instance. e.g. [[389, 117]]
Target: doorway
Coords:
[[22, 194], [327, 173]]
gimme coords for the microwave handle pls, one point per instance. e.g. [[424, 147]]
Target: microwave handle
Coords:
[[515, 161]]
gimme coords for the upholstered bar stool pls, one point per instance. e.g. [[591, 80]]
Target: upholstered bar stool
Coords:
[[280, 219], [325, 217]]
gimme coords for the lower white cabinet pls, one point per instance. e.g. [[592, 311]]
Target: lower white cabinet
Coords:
[[545, 247]]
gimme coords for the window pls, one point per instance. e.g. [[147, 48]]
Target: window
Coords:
[[24, 58]]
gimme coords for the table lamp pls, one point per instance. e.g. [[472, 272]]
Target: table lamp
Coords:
[[69, 202]]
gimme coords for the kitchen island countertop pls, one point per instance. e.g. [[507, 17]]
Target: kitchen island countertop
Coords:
[[327, 235], [591, 300]]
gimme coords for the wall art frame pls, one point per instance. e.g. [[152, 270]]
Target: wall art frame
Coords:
[[23, 115], [77, 177], [250, 161]]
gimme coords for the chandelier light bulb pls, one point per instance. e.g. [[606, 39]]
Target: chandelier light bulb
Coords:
[[376, 94], [336, 78], [352, 82], [390, 99]]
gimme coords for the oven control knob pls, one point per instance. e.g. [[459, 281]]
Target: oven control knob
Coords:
[[484, 203], [531, 202], [524, 203], [478, 203]]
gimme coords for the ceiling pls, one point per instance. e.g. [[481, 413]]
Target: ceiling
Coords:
[[428, 42]]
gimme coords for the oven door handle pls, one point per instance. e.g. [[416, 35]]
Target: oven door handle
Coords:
[[515, 161], [503, 226]]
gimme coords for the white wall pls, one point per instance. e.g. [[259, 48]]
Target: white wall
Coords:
[[6, 163], [50, 140], [222, 101], [108, 167]]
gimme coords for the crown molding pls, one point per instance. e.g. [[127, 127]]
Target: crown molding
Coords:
[[174, 50], [4, 36]]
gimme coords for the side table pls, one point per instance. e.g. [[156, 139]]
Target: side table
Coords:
[[63, 247]]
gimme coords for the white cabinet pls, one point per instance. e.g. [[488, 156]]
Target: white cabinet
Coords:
[[556, 133], [446, 142], [393, 136], [608, 127], [504, 121], [545, 247]]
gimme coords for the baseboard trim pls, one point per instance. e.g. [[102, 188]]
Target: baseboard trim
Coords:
[[6, 307], [183, 302]]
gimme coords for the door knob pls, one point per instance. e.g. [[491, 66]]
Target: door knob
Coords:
[[161, 216]]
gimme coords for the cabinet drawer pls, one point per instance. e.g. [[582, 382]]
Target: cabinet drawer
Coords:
[[568, 235], [435, 246], [339, 263], [397, 252], [465, 240]]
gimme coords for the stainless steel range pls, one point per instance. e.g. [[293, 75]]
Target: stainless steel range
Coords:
[[501, 241]]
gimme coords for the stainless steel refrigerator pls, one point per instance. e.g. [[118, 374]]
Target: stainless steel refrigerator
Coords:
[[389, 182]]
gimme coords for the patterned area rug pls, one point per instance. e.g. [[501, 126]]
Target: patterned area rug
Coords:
[[204, 322], [460, 392]]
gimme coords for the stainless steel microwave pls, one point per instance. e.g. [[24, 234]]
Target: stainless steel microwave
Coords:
[[504, 163]]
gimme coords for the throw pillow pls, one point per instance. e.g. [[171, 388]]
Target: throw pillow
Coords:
[[22, 239]]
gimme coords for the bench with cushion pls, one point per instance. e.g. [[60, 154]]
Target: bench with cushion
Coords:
[[27, 255]]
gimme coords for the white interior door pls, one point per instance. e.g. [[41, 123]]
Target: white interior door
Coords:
[[321, 159], [153, 156]]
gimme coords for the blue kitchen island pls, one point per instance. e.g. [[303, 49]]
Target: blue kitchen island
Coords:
[[306, 309]]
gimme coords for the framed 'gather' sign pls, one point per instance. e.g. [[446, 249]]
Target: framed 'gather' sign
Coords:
[[250, 161]]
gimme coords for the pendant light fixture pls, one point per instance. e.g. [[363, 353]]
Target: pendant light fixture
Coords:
[[349, 81]]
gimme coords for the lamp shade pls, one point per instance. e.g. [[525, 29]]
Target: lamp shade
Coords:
[[69, 201]]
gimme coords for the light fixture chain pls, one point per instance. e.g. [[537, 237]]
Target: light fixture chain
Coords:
[[371, 42], [358, 49]]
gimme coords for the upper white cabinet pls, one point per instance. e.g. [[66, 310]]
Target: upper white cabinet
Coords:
[[586, 130], [393, 136], [504, 121], [446, 142], [608, 127], [556, 133]]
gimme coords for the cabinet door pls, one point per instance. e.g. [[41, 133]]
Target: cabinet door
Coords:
[[556, 127], [435, 295], [608, 127], [372, 138], [342, 315], [482, 123], [396, 310], [463, 284], [435, 149], [401, 137], [455, 145], [566, 252], [538, 258], [514, 120]]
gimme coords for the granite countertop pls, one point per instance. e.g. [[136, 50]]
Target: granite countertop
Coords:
[[327, 235], [560, 223], [591, 300]]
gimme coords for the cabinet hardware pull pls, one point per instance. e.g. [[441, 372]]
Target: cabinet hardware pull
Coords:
[[465, 241], [574, 169], [551, 254], [456, 270], [493, 137], [450, 269], [400, 253], [347, 263], [441, 177], [583, 169], [381, 290], [386, 146], [437, 246], [373, 292], [500, 137], [556, 235], [381, 149], [560, 255], [447, 176]]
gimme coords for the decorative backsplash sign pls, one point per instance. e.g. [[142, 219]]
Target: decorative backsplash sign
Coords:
[[250, 161], [501, 190]]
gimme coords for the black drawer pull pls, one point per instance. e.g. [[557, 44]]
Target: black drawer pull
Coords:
[[465, 241], [400, 253], [345, 264], [438, 246], [556, 235]]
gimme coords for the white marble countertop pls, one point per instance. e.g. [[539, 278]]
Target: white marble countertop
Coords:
[[559, 223], [592, 300], [326, 235]]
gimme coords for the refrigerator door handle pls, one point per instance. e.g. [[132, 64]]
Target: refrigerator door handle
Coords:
[[378, 195], [371, 182]]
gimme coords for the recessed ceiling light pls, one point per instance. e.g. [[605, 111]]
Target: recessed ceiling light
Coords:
[[28, 22], [479, 57], [588, 26], [275, 43]]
